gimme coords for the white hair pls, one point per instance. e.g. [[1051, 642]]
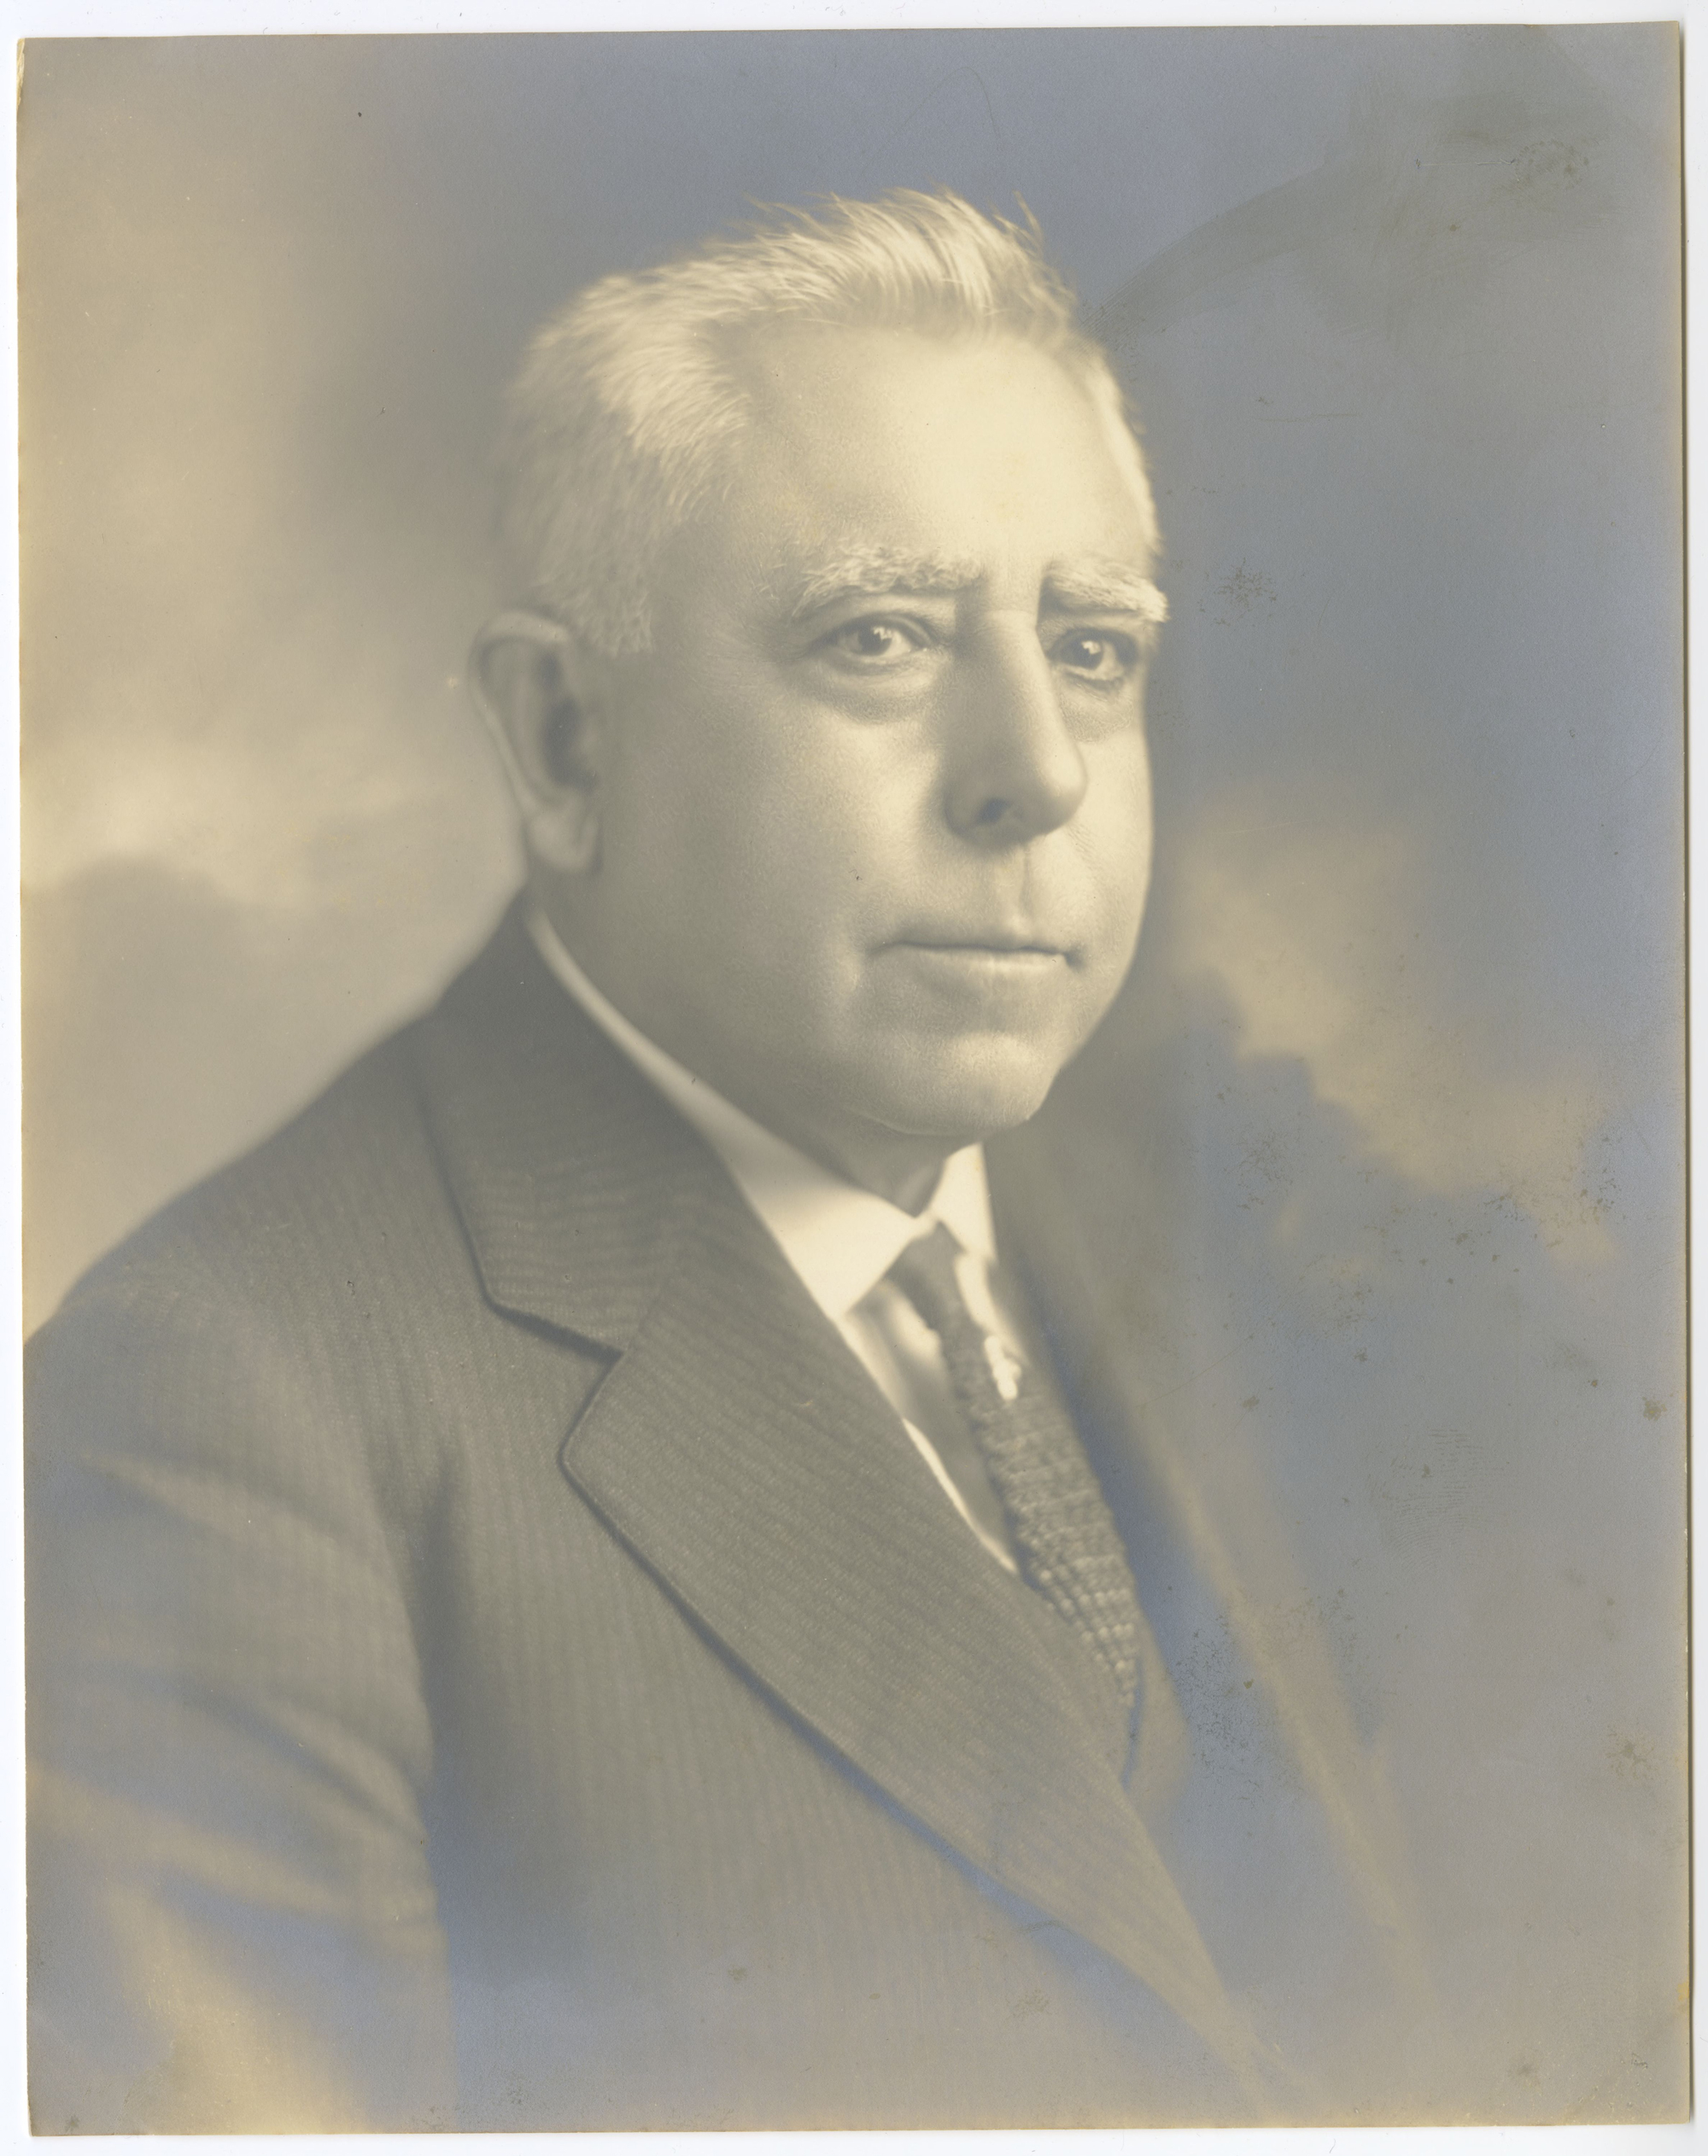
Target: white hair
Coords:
[[629, 399]]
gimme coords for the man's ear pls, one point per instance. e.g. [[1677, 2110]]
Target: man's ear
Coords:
[[532, 683]]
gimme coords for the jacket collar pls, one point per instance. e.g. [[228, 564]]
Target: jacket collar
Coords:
[[742, 1453], [570, 1173]]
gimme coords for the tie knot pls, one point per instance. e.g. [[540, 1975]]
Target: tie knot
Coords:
[[979, 1359], [924, 1273]]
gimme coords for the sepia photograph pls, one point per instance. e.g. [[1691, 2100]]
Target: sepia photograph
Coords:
[[853, 1021]]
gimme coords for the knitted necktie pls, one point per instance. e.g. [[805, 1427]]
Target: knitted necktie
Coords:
[[1067, 1542]]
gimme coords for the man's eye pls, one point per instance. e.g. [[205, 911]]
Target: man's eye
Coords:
[[1096, 654], [876, 643]]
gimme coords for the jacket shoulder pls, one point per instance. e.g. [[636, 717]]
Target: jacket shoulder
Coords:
[[336, 1184]]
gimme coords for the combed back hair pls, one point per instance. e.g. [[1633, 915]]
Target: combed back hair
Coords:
[[622, 420]]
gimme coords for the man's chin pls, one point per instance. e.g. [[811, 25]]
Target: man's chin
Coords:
[[962, 1099]]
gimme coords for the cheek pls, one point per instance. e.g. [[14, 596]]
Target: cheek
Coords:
[[780, 826], [813, 807], [1114, 825]]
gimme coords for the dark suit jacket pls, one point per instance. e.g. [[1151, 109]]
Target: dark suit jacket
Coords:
[[495, 1659]]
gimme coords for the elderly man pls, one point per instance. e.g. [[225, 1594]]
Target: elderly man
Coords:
[[566, 1589]]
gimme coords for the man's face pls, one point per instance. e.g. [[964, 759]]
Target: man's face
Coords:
[[875, 810]]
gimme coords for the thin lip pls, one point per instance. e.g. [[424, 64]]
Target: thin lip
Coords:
[[995, 944]]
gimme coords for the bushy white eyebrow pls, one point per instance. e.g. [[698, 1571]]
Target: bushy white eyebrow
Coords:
[[1105, 586], [1090, 585], [873, 570]]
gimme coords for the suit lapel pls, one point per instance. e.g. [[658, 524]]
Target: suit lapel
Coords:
[[740, 1451], [1225, 1511]]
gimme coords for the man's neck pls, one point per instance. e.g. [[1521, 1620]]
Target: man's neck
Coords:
[[903, 1169]]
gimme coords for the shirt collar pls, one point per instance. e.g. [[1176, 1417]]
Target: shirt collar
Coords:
[[840, 1240]]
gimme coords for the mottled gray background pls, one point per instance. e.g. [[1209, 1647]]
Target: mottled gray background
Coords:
[[1401, 1066]]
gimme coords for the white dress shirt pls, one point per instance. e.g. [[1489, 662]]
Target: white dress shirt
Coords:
[[842, 1241]]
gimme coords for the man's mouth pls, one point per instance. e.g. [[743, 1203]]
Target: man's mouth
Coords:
[[983, 957], [996, 943]]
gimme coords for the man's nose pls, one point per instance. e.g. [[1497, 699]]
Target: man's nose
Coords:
[[1015, 768]]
